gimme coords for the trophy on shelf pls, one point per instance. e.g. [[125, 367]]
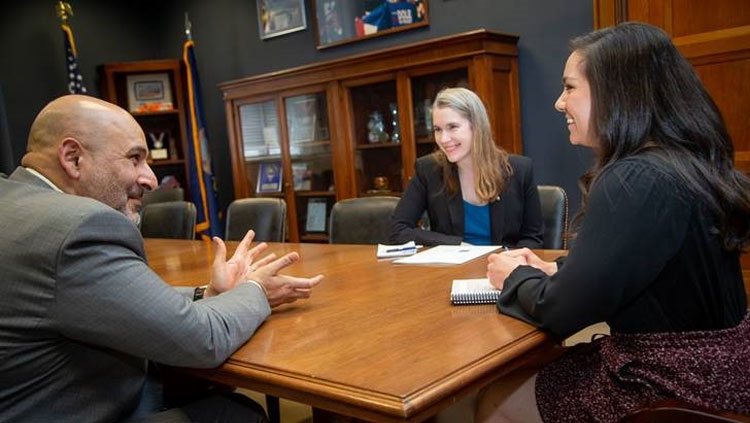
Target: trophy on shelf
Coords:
[[158, 151], [380, 185], [376, 128]]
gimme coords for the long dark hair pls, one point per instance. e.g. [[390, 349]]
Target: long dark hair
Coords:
[[646, 97]]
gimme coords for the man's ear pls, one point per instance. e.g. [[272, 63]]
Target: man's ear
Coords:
[[70, 154]]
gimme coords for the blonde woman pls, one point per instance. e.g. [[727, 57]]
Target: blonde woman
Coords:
[[472, 190]]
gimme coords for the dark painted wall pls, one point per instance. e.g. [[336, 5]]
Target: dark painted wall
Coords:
[[228, 47]]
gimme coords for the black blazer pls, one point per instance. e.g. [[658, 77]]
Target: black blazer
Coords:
[[515, 215]]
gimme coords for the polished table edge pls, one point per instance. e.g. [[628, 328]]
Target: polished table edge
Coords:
[[361, 403], [378, 406]]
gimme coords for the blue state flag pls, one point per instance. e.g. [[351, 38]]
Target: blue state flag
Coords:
[[75, 80], [201, 177]]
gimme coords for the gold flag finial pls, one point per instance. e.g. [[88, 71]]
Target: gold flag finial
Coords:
[[64, 11]]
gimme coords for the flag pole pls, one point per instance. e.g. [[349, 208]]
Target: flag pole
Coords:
[[201, 176]]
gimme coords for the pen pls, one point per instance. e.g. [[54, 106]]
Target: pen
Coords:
[[393, 250]]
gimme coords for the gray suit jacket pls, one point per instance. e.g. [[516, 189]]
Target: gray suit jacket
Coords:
[[81, 311]]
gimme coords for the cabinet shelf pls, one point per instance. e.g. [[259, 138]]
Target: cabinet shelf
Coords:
[[315, 193], [261, 159], [272, 194], [156, 113], [317, 143], [166, 162], [377, 145]]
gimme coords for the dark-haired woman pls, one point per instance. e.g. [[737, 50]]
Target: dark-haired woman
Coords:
[[656, 256], [473, 191]]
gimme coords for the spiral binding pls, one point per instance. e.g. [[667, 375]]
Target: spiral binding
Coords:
[[475, 298]]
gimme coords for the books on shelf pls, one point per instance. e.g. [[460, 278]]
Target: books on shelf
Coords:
[[473, 291]]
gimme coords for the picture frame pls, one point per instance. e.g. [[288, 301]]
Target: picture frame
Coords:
[[302, 118], [270, 176], [149, 92], [316, 215], [338, 22], [279, 17], [302, 176]]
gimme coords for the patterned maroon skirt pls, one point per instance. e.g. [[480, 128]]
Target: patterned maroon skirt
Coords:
[[614, 375]]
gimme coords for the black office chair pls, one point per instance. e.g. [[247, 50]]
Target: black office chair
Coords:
[[365, 220], [266, 216], [555, 215], [673, 411], [162, 195], [171, 219]]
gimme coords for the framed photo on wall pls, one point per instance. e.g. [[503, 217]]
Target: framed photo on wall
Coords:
[[344, 21], [279, 17]]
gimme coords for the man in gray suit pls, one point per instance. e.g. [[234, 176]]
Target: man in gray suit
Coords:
[[80, 311]]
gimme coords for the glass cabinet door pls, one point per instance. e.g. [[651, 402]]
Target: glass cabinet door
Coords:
[[377, 161], [311, 163], [424, 88], [261, 148]]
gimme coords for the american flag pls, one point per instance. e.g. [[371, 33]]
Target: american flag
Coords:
[[75, 80]]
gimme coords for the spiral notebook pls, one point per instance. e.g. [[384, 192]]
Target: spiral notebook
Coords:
[[473, 291]]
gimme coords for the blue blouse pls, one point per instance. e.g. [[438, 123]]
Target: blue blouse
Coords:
[[477, 224]]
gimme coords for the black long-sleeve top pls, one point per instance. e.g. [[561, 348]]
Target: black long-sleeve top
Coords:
[[646, 259], [515, 216]]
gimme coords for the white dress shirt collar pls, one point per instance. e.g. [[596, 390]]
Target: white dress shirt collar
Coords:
[[43, 178]]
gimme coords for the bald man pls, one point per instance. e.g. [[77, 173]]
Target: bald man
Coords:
[[80, 310]]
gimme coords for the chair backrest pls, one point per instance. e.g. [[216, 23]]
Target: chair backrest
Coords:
[[162, 195], [365, 220], [266, 216], [170, 219], [555, 215]]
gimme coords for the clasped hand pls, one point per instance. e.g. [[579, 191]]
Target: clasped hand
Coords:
[[501, 265], [279, 289]]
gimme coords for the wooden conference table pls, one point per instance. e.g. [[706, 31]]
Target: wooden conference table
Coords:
[[377, 341]]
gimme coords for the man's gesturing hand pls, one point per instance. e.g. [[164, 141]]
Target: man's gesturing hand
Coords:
[[282, 289], [226, 274]]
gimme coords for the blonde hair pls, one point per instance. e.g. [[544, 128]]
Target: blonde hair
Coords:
[[491, 165]]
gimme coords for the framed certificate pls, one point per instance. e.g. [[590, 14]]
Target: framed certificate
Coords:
[[316, 215], [301, 118], [149, 92], [269, 177]]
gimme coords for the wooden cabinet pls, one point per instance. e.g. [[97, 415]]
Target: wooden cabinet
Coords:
[[715, 37], [353, 127], [153, 92]]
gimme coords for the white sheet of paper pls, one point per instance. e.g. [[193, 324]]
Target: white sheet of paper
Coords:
[[448, 254]]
